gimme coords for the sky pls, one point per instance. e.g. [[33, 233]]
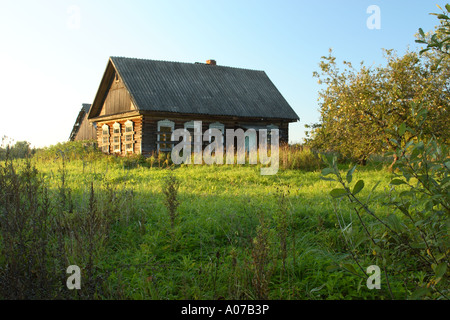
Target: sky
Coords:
[[53, 53]]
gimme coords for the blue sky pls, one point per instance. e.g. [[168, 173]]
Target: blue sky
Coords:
[[53, 53]]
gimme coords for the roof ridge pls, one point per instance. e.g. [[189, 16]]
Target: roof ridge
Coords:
[[182, 62]]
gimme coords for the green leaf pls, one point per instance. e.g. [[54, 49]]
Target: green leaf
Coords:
[[375, 186], [331, 268], [447, 6], [402, 129], [350, 268], [415, 153], [440, 270], [443, 16], [419, 293], [327, 171], [350, 174], [338, 193], [358, 187], [397, 182], [421, 33]]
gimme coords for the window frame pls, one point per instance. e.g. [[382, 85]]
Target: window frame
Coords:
[[167, 124], [190, 125], [219, 126], [127, 143], [106, 135], [117, 146]]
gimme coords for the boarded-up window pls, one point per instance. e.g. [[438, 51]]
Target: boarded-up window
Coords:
[[165, 129]]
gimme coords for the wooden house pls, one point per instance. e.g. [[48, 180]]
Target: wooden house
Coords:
[[83, 129], [139, 103]]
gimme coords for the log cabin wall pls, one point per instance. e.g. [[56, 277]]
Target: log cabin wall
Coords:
[[150, 127]]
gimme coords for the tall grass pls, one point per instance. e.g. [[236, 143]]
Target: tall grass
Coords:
[[299, 157], [235, 235], [42, 232]]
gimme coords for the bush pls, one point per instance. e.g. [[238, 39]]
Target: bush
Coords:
[[411, 243], [71, 150]]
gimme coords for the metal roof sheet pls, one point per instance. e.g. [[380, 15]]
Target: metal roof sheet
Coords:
[[198, 88]]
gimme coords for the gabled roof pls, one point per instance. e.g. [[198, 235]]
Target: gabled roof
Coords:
[[85, 107], [84, 110], [196, 88]]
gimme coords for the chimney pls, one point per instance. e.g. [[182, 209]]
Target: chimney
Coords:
[[211, 62]]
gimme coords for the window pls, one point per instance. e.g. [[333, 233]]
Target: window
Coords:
[[129, 136], [116, 137], [165, 129], [217, 125], [190, 126], [105, 138]]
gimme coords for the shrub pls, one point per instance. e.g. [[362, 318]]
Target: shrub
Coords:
[[411, 243], [70, 150]]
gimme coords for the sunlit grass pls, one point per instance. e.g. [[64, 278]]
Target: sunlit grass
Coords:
[[207, 254], [218, 214]]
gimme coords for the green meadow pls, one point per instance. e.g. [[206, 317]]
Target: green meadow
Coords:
[[146, 229], [234, 234]]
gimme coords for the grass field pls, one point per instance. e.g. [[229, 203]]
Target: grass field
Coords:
[[233, 234], [211, 251]]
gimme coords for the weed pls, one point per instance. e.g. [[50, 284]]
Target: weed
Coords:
[[261, 257], [170, 191]]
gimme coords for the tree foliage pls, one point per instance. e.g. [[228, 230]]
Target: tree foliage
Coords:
[[439, 39], [20, 150], [360, 109]]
